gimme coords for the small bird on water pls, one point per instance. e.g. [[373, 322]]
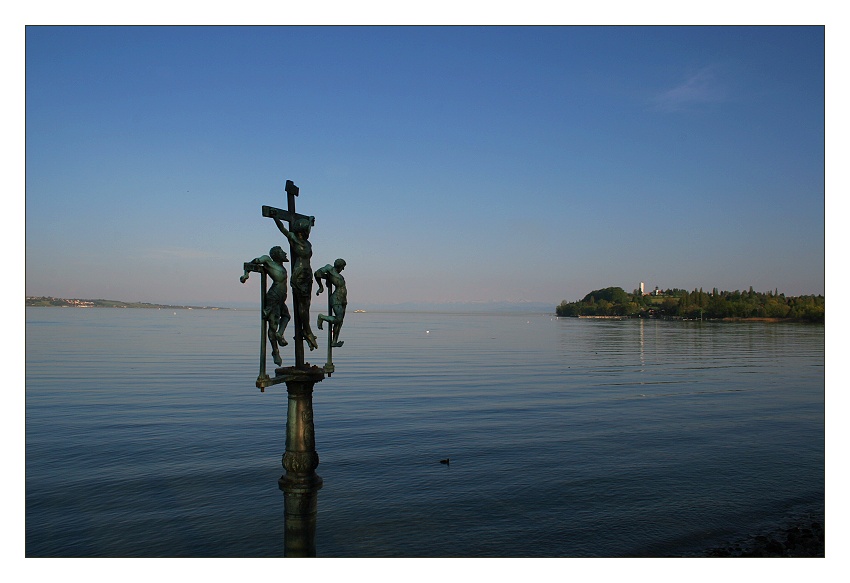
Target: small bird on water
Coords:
[[445, 461]]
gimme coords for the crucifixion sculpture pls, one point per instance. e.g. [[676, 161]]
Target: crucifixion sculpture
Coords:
[[337, 302], [275, 315], [300, 483], [301, 251], [274, 310]]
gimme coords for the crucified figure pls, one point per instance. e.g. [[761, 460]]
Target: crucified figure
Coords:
[[275, 312], [302, 280], [339, 297]]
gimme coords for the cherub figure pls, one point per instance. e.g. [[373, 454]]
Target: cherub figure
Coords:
[[275, 312], [339, 297], [302, 281]]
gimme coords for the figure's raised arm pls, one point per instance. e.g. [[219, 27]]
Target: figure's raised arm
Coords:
[[283, 229]]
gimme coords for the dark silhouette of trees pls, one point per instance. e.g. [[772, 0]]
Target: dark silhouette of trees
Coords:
[[679, 303]]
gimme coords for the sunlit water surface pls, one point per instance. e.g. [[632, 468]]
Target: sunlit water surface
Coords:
[[145, 435]]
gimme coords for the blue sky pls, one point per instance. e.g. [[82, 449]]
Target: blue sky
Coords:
[[445, 164]]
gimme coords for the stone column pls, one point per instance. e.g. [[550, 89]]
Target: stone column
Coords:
[[300, 484]]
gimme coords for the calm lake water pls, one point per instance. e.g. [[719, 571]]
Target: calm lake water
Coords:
[[145, 435]]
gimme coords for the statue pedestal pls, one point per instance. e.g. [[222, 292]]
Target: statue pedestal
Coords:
[[300, 484]]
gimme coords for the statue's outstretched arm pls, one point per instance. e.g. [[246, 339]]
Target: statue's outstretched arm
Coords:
[[283, 229], [256, 261]]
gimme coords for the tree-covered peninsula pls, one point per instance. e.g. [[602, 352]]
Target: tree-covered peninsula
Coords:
[[695, 305], [47, 301]]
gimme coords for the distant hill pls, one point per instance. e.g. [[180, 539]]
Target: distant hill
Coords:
[[47, 302]]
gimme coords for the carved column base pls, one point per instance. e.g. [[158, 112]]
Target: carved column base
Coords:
[[300, 471]]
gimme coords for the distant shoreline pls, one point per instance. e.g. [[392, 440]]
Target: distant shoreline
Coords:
[[680, 319], [51, 302]]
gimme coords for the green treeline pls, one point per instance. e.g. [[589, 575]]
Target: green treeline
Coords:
[[679, 303]]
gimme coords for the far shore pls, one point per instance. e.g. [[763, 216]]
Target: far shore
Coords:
[[769, 320], [51, 302]]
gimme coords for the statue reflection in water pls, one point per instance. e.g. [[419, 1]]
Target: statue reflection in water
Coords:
[[300, 509]]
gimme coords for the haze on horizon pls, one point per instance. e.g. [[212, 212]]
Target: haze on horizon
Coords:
[[444, 164]]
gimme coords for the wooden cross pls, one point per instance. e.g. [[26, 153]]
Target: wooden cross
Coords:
[[288, 215]]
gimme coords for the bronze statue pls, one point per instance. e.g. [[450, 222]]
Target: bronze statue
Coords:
[[338, 299], [275, 312], [300, 483], [302, 281]]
